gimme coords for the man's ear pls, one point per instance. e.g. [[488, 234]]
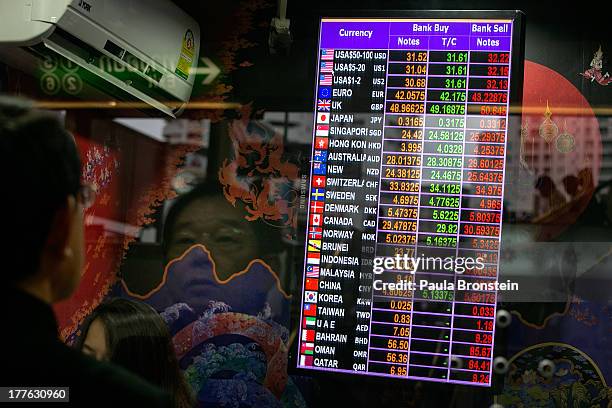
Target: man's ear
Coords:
[[57, 244]]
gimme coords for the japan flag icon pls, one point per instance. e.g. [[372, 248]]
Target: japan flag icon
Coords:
[[323, 117], [310, 296]]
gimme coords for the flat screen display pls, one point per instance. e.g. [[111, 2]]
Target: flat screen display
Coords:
[[405, 198]]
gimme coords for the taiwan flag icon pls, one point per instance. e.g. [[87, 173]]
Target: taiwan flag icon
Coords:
[[310, 309]]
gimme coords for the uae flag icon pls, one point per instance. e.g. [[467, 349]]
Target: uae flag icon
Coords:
[[309, 322]]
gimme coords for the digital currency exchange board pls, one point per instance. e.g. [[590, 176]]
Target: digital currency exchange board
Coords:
[[409, 148]]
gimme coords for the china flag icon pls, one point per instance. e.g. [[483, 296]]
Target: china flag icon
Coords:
[[312, 284]]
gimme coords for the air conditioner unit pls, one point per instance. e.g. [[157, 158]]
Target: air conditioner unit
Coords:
[[143, 50]]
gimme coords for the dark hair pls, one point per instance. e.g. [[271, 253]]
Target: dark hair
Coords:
[[39, 167], [138, 340]]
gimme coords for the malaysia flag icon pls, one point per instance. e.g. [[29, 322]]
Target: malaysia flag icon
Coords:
[[312, 271]]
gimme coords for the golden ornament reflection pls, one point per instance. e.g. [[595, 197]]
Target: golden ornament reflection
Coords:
[[548, 129]]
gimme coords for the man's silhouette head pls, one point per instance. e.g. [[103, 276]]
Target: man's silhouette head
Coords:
[[42, 248]]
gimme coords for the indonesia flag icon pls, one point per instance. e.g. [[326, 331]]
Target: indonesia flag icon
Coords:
[[316, 220]]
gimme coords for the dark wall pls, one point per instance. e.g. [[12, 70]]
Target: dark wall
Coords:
[[562, 37]]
